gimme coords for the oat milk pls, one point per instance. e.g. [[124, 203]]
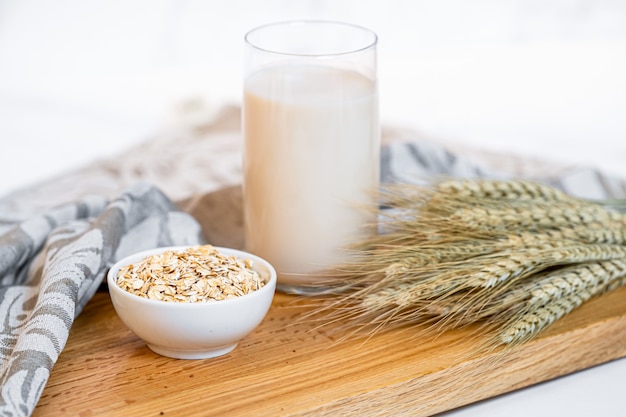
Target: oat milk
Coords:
[[312, 143]]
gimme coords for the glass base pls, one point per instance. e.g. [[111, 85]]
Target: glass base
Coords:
[[309, 290]]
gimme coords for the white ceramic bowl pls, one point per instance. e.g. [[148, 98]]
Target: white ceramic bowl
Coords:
[[193, 330]]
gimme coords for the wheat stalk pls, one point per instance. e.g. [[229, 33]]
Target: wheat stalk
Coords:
[[502, 190], [514, 254], [423, 213], [526, 326], [569, 280], [532, 304], [488, 270], [533, 260], [537, 216]]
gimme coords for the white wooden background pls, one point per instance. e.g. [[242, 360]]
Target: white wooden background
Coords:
[[85, 79]]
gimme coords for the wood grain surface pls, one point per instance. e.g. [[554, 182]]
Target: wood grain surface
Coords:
[[289, 367]]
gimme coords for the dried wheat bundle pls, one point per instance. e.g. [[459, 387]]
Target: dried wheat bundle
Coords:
[[513, 255]]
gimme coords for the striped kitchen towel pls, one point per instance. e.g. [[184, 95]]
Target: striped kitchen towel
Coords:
[[52, 263]]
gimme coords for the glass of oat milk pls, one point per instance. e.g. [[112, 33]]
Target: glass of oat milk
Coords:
[[312, 146]]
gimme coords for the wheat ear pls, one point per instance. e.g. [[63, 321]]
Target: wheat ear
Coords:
[[501, 190], [521, 328]]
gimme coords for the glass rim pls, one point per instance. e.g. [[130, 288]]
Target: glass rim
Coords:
[[337, 23]]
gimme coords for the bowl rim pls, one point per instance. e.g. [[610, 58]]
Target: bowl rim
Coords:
[[269, 286]]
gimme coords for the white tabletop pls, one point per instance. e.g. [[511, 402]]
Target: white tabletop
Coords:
[[84, 80]]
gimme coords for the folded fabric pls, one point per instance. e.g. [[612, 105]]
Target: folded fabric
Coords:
[[418, 162], [52, 264]]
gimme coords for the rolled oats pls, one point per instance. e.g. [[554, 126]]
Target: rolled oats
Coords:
[[196, 274]]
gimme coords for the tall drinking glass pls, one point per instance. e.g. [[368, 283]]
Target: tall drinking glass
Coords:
[[312, 146]]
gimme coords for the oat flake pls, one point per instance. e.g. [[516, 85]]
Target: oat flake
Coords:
[[196, 274]]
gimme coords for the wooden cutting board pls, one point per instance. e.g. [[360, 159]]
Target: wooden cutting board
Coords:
[[287, 367]]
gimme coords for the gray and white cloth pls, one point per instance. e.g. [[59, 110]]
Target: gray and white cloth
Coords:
[[52, 263], [420, 162]]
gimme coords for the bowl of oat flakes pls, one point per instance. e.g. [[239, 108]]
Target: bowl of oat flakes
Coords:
[[192, 302]]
